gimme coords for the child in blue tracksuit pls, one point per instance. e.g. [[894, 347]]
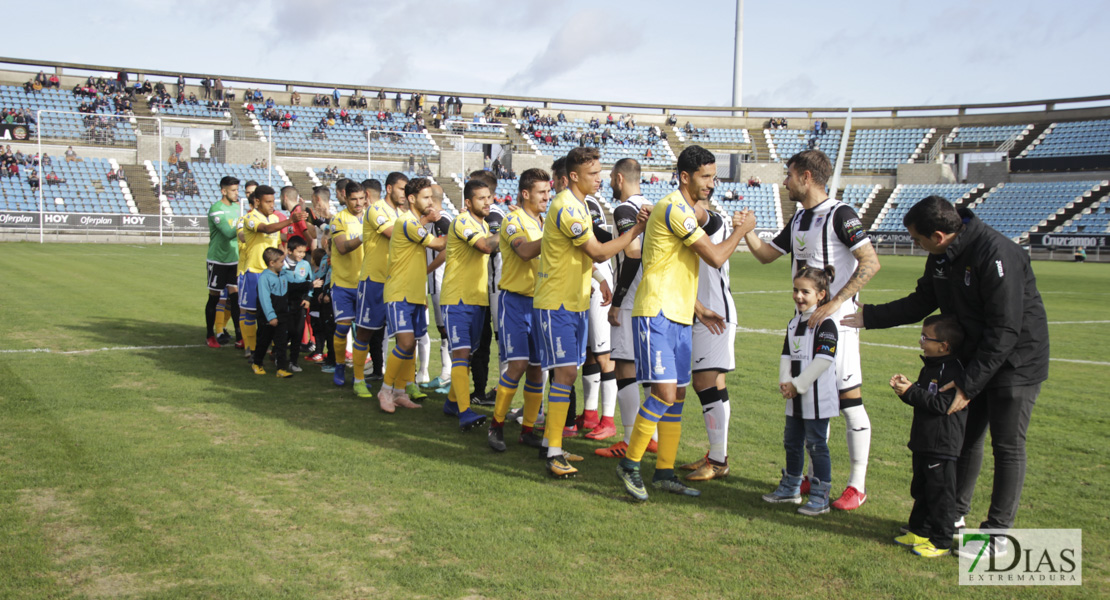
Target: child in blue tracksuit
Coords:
[[807, 380], [273, 303], [298, 274], [323, 322]]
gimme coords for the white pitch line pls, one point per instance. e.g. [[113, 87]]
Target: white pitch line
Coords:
[[91, 350]]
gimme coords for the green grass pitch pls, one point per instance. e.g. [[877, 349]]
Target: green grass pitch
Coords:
[[169, 470]]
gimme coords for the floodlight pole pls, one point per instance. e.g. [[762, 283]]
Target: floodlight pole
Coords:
[[161, 183], [42, 211], [834, 184], [737, 79], [369, 159], [270, 164]]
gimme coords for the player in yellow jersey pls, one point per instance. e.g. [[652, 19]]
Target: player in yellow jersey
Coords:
[[567, 253], [261, 230], [406, 290], [370, 317], [465, 299], [246, 205], [663, 314], [346, 263], [520, 240]]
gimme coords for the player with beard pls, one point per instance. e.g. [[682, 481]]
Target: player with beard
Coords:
[[824, 232]]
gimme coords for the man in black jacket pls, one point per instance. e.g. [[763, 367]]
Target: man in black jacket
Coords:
[[985, 280]]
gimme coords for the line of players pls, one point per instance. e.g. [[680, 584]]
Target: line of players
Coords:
[[669, 313]]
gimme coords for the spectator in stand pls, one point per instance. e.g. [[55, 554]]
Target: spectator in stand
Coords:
[[71, 155], [114, 174], [32, 179], [397, 103], [754, 181], [219, 88], [202, 154]]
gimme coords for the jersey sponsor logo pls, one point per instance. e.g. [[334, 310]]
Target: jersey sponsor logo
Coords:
[[826, 348], [576, 229], [826, 336], [796, 346], [940, 271], [799, 243], [689, 224]]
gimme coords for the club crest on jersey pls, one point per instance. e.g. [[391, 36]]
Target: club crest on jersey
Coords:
[[967, 277], [818, 220]]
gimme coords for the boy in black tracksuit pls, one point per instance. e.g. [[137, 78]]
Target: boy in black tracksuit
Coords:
[[935, 438]]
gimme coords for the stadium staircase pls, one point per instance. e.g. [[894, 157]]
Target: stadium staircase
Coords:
[[242, 122], [300, 180], [1099, 194], [848, 152], [141, 189], [877, 203], [677, 146], [973, 197], [761, 150], [1029, 140], [453, 191], [787, 206]]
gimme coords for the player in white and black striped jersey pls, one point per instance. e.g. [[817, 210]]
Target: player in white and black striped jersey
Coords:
[[625, 181], [823, 232], [599, 377], [713, 352]]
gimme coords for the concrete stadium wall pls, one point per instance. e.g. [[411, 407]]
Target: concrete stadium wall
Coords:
[[925, 173], [147, 147], [240, 152], [988, 173], [453, 161], [123, 156], [767, 172]]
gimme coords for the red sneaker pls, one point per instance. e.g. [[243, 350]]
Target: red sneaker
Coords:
[[239, 345], [570, 432], [589, 419], [653, 447], [212, 343], [316, 358], [851, 499], [605, 429], [617, 450]]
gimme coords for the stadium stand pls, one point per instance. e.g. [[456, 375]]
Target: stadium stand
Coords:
[[1074, 138], [624, 143], [207, 177], [1094, 219], [388, 137], [785, 143], [906, 195], [764, 200], [196, 111], [858, 194], [86, 189], [1015, 208], [103, 127], [714, 136], [884, 149], [460, 125], [985, 135]]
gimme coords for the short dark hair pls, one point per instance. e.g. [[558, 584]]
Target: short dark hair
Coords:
[[693, 158], [485, 176], [352, 187], [296, 242], [289, 191], [931, 215], [263, 190], [249, 183], [318, 254], [559, 167], [228, 181], [413, 187], [531, 177], [270, 254], [580, 156], [629, 167], [394, 177], [814, 161], [473, 186], [372, 184], [341, 185], [947, 329], [321, 191]]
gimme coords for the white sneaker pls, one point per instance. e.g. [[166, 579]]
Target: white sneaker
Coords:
[[1000, 547], [295, 368], [956, 532]]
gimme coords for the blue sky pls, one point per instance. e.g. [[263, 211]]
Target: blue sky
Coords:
[[801, 53]]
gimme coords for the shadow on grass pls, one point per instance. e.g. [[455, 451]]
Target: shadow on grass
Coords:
[[312, 402]]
